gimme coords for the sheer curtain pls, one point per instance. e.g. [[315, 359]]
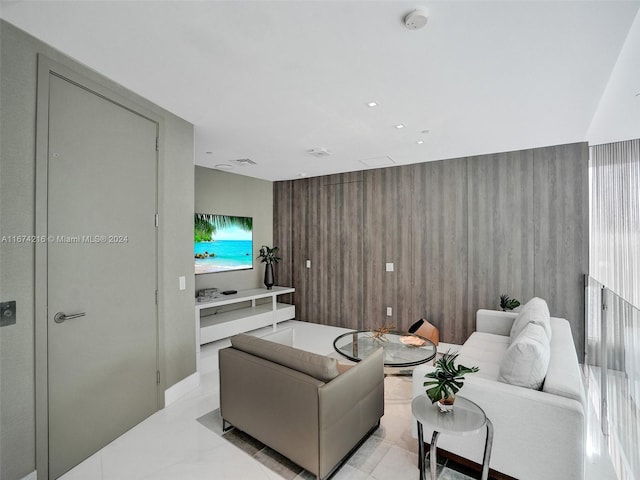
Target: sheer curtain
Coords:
[[614, 260], [613, 333]]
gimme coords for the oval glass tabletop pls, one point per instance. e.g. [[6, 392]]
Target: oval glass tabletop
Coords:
[[400, 349]]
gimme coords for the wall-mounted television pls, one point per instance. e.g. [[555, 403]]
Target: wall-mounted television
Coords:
[[222, 243]]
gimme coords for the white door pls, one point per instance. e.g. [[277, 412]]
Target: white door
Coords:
[[102, 262]]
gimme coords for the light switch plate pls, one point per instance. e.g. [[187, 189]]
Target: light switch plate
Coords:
[[183, 283], [308, 263], [389, 311], [7, 313], [389, 267]]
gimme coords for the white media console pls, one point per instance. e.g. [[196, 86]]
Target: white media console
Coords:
[[219, 325]]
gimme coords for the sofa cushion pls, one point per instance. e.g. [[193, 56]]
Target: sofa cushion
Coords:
[[484, 350], [318, 366], [527, 359], [535, 311]]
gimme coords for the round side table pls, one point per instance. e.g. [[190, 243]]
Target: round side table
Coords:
[[466, 418]]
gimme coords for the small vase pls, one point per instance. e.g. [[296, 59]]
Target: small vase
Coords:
[[268, 276], [446, 404]]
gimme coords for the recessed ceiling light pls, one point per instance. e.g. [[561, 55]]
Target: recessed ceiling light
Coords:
[[209, 153], [224, 166], [302, 174], [424, 131], [420, 142], [372, 104], [399, 126]]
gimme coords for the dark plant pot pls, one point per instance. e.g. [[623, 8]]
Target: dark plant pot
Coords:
[[268, 276]]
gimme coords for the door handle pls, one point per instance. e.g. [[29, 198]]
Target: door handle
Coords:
[[61, 317]]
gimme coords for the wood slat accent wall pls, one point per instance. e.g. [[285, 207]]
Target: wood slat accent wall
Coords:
[[501, 228], [561, 242], [389, 224], [283, 226], [440, 248], [460, 232]]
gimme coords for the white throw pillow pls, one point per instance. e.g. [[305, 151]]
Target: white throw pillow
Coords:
[[526, 361], [535, 311]]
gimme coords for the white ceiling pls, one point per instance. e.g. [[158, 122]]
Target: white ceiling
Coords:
[[269, 80]]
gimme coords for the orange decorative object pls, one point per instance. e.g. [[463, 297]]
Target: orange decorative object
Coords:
[[425, 329], [413, 341]]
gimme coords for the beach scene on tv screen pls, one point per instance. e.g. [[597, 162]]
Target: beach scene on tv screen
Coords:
[[222, 243]]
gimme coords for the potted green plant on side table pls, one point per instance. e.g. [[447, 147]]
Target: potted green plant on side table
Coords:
[[446, 381]]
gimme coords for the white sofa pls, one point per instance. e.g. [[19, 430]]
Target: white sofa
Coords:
[[538, 434]]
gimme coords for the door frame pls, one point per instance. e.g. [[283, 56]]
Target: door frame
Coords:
[[47, 67]]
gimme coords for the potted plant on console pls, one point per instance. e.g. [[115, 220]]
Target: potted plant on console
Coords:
[[446, 381], [269, 256]]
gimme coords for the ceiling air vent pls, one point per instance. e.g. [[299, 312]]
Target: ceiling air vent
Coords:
[[319, 152], [243, 162], [378, 161]]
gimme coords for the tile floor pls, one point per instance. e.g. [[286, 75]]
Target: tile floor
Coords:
[[172, 444]]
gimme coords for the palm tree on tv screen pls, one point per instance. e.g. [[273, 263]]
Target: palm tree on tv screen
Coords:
[[206, 225]]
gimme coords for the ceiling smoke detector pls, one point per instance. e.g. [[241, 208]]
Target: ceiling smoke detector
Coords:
[[416, 19], [319, 152]]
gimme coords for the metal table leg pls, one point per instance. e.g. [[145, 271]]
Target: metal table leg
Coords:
[[420, 452], [487, 451], [432, 455]]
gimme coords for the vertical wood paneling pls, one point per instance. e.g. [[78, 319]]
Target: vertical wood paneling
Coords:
[[501, 220], [283, 228], [315, 240], [303, 297], [404, 307], [460, 232], [327, 230], [336, 256], [439, 247], [387, 239], [561, 229], [379, 218]]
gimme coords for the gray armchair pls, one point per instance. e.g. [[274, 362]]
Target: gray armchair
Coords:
[[297, 403]]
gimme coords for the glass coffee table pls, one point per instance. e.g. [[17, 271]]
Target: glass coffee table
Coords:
[[400, 349]]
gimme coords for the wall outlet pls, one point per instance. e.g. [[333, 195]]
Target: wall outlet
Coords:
[[389, 312], [389, 267]]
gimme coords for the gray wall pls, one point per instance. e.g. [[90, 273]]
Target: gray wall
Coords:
[[230, 194], [17, 202], [460, 232]]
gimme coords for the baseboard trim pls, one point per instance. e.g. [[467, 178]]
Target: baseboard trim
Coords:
[[181, 388], [32, 476]]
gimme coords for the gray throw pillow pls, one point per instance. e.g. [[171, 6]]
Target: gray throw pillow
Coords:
[[535, 311], [526, 360]]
